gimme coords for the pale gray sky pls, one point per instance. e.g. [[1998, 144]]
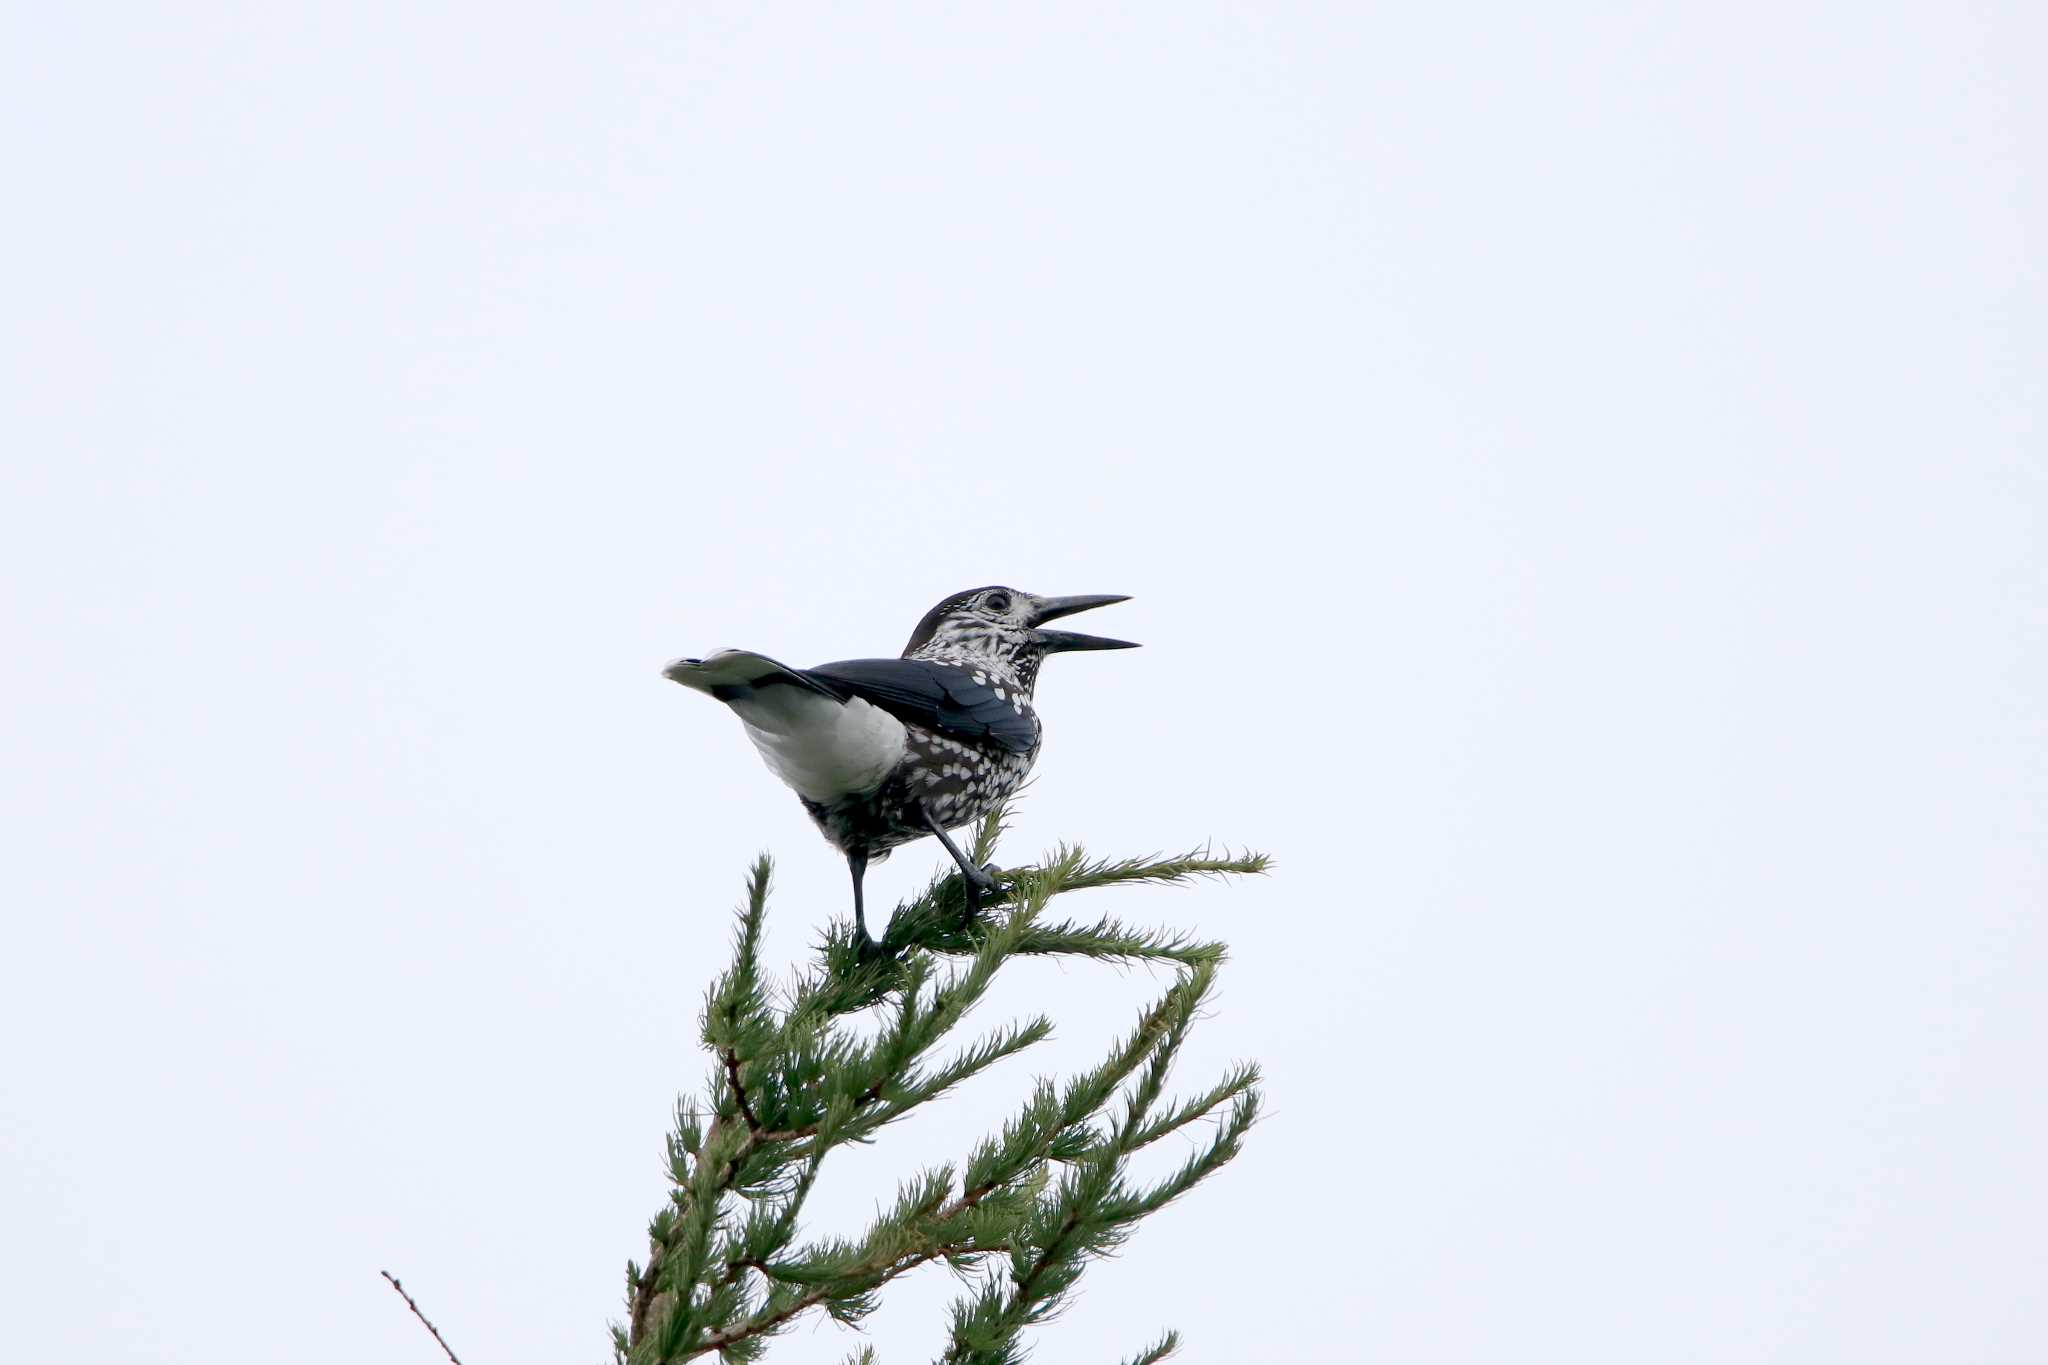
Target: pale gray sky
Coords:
[[1581, 470]]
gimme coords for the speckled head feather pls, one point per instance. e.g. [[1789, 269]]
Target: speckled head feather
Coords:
[[976, 611], [995, 630]]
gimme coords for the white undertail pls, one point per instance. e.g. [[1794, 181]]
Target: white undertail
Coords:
[[823, 748]]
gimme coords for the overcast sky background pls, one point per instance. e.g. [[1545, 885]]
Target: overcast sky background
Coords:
[[1582, 475]]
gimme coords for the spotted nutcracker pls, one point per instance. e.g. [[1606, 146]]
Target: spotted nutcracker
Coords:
[[884, 751]]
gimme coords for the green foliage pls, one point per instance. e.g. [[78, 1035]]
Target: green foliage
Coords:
[[1026, 1209]]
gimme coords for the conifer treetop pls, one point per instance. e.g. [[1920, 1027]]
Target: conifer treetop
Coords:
[[1020, 1215]]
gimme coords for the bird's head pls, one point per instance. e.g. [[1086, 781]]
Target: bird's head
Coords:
[[1005, 626]]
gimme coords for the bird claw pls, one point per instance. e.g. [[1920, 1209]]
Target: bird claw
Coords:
[[867, 948], [977, 883]]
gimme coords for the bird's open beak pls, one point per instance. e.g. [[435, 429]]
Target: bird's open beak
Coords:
[[1056, 641]]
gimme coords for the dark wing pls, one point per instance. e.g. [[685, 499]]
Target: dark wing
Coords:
[[940, 697]]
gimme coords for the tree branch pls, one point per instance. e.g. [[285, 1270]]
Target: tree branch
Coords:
[[739, 1092], [418, 1314], [888, 1271]]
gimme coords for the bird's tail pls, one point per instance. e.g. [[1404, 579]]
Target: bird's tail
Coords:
[[732, 674]]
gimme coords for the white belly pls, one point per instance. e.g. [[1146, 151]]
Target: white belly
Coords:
[[824, 749]]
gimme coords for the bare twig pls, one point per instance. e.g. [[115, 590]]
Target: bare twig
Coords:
[[421, 1316]]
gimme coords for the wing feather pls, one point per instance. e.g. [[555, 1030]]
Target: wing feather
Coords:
[[941, 697]]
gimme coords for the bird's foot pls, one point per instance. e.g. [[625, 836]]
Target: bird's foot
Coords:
[[867, 948], [979, 885]]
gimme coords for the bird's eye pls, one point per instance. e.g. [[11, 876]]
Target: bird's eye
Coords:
[[997, 601]]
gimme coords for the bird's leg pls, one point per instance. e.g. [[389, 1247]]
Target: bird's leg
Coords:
[[974, 879], [857, 863]]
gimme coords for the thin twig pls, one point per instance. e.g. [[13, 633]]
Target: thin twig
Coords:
[[739, 1092], [903, 1261], [754, 1128], [421, 1316], [910, 1260]]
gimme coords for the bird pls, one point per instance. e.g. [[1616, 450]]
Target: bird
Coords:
[[885, 751]]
